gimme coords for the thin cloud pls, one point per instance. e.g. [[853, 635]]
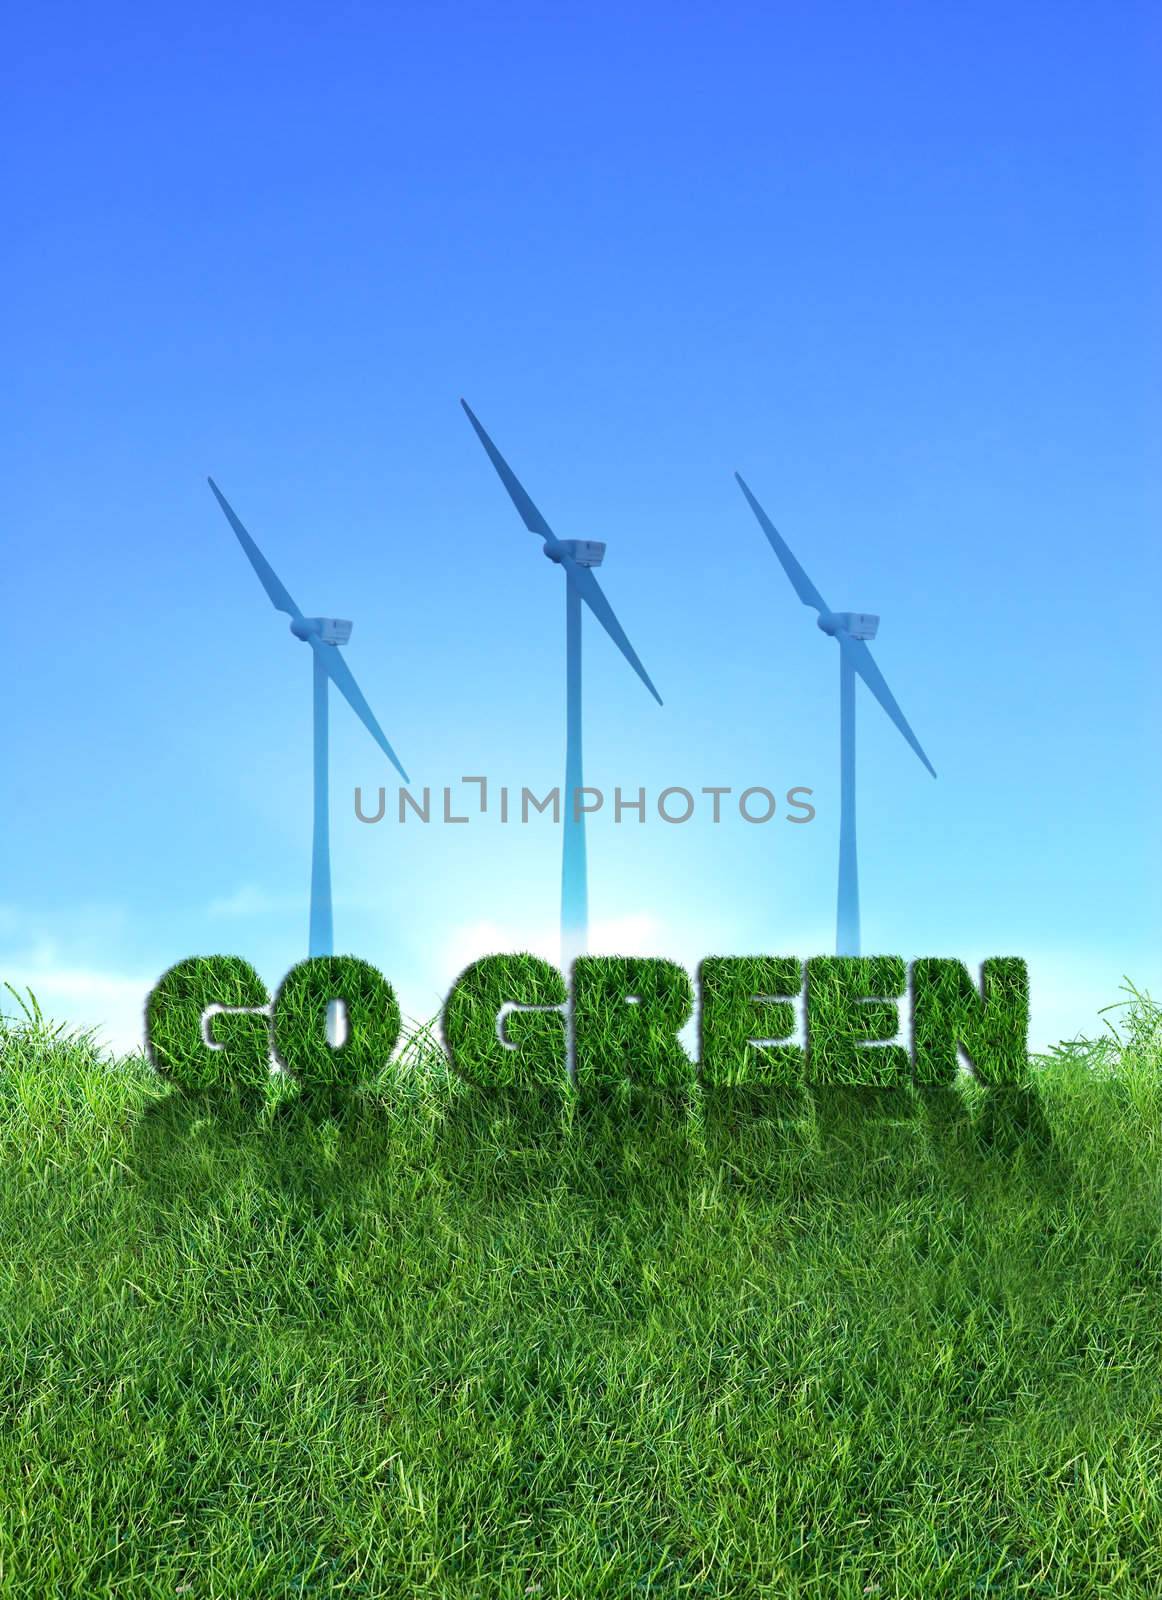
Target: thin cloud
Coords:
[[251, 901], [82, 998]]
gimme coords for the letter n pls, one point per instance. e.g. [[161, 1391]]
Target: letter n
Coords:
[[991, 1025]]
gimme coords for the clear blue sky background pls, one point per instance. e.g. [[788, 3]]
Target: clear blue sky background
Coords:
[[894, 263]]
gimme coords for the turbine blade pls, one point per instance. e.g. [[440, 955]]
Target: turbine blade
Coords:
[[342, 677], [590, 591], [863, 661], [266, 574], [530, 516], [800, 582]]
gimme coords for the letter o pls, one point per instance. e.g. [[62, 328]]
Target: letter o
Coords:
[[662, 805], [742, 799], [321, 1070]]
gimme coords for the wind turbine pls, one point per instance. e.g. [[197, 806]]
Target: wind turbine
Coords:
[[576, 558], [850, 630], [324, 635]]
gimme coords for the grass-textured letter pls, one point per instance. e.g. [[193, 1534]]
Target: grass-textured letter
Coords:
[[532, 1054], [175, 1043], [990, 1025], [324, 1071], [851, 1008], [627, 1013], [745, 1001]]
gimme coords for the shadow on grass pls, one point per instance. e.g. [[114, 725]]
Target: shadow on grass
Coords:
[[644, 1149]]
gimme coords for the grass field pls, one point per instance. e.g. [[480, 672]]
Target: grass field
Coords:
[[459, 1347]]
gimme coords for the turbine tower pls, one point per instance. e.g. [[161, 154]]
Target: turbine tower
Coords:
[[576, 558], [324, 635], [850, 630]]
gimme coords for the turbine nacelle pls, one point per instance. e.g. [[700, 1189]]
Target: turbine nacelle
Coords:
[[328, 630], [577, 556], [855, 624], [585, 552]]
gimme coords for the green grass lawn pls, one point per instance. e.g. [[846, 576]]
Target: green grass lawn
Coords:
[[456, 1346]]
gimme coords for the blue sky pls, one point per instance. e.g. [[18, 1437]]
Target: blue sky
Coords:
[[892, 263]]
